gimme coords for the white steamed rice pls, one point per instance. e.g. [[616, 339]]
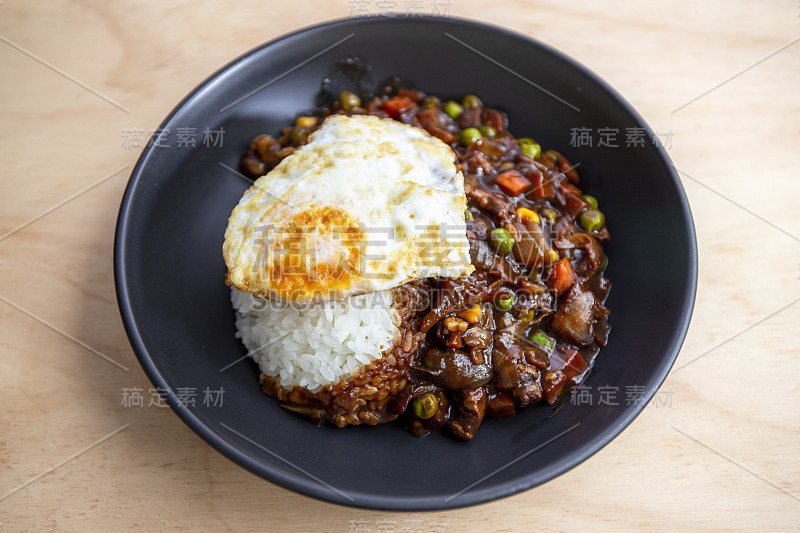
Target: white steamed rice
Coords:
[[318, 344]]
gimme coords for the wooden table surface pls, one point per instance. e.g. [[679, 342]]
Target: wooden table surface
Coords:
[[719, 81]]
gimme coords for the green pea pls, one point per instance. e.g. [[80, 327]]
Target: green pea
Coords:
[[544, 340], [592, 220], [529, 147], [426, 405], [589, 199], [349, 100], [468, 215], [471, 102], [532, 150], [469, 136], [504, 304], [501, 240], [488, 131], [453, 109]]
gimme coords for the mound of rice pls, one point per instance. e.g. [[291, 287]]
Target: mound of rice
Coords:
[[315, 345]]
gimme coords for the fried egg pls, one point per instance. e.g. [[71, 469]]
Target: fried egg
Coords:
[[366, 205]]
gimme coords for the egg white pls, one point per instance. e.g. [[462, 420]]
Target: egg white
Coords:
[[366, 205]]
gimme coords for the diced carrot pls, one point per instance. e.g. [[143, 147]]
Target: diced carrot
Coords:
[[542, 187], [574, 204], [568, 187], [568, 169], [397, 105], [562, 277], [574, 364], [513, 182]]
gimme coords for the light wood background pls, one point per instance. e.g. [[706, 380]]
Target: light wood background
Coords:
[[721, 453]]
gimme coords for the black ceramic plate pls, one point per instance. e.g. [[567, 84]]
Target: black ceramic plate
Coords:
[[176, 309]]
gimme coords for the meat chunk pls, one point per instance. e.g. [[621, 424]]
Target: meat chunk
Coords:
[[575, 318], [454, 370], [500, 405], [528, 392], [479, 227], [481, 255], [469, 414], [507, 354], [453, 295], [530, 244], [494, 118], [495, 204], [593, 255], [430, 119]]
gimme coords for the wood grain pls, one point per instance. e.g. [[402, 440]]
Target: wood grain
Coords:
[[722, 455]]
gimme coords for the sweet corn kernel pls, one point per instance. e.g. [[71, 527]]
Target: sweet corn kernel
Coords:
[[305, 122], [553, 256], [470, 314], [526, 215]]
